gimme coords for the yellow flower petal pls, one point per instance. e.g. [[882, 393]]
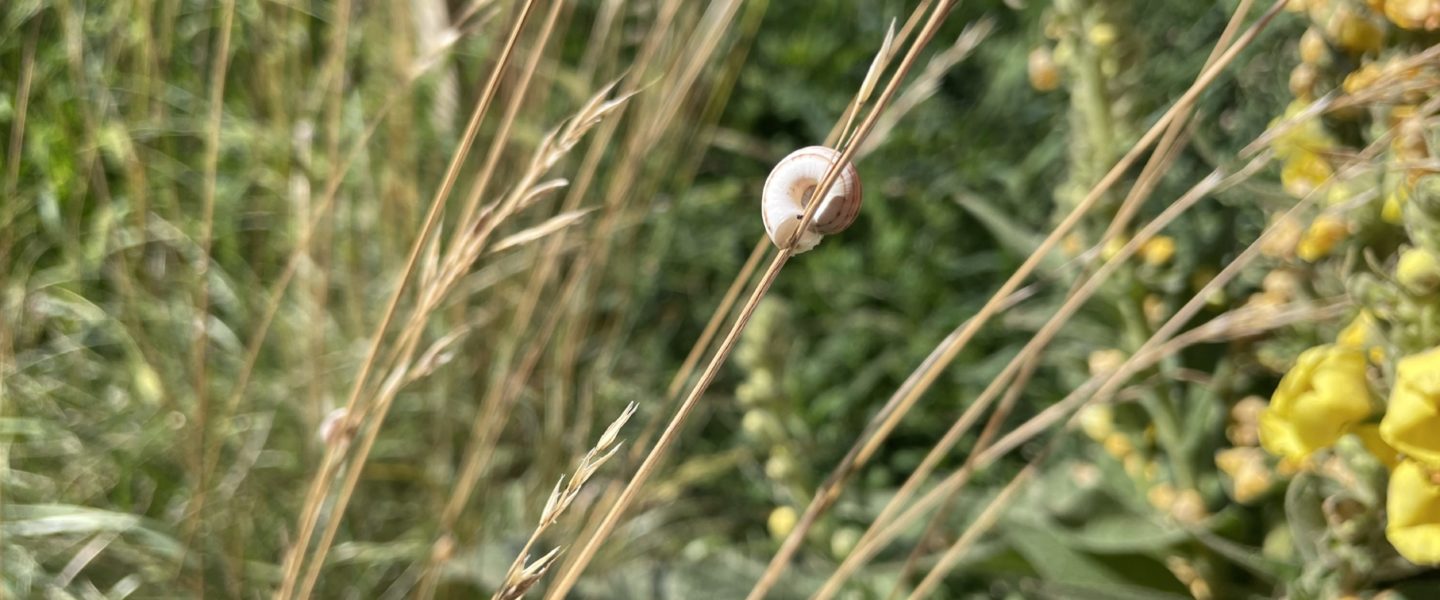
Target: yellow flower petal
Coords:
[[1412, 421], [1319, 400], [1413, 509], [1375, 444]]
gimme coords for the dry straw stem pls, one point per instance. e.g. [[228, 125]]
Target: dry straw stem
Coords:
[[615, 335], [200, 342], [503, 389], [521, 576], [1154, 170], [506, 387], [1030, 352], [1239, 323], [718, 98], [276, 292], [552, 149], [329, 466], [987, 435], [587, 273], [671, 431], [501, 137], [460, 493], [1035, 346], [1242, 322], [889, 417]]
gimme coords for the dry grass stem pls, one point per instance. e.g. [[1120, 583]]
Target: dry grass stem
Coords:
[[310, 511], [200, 343], [521, 576], [886, 421]]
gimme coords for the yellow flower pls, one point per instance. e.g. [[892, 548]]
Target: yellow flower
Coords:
[[1358, 333], [1305, 136], [1303, 172], [1375, 444], [1321, 397], [1323, 235], [1412, 420], [1356, 33], [1158, 250], [1363, 333], [1418, 271], [1413, 14], [1413, 508]]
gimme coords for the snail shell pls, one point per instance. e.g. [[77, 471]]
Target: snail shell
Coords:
[[788, 190]]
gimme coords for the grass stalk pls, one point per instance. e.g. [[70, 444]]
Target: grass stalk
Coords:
[[671, 431], [310, 512], [885, 422], [200, 342]]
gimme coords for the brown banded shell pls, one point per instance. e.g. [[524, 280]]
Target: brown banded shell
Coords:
[[789, 188]]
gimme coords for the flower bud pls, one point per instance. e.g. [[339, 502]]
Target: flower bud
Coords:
[[1418, 271]]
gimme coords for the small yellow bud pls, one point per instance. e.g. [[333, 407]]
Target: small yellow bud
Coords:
[[1302, 80], [1303, 172], [780, 466], [1324, 234], [1188, 507], [1103, 35], [1285, 235], [1117, 445], [1113, 246], [1154, 308], [1355, 33], [1413, 14], [1282, 284], [1313, 49], [1097, 421], [1249, 477], [1393, 211], [1158, 250], [843, 541], [782, 521], [1105, 361], [1161, 496], [1361, 78], [1044, 75], [1418, 271], [1245, 418], [1359, 333], [1134, 466]]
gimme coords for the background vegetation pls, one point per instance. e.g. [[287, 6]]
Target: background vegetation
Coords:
[[210, 208]]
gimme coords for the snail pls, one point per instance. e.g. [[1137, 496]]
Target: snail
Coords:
[[788, 190]]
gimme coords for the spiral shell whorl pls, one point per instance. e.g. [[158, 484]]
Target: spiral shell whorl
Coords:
[[787, 188]]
